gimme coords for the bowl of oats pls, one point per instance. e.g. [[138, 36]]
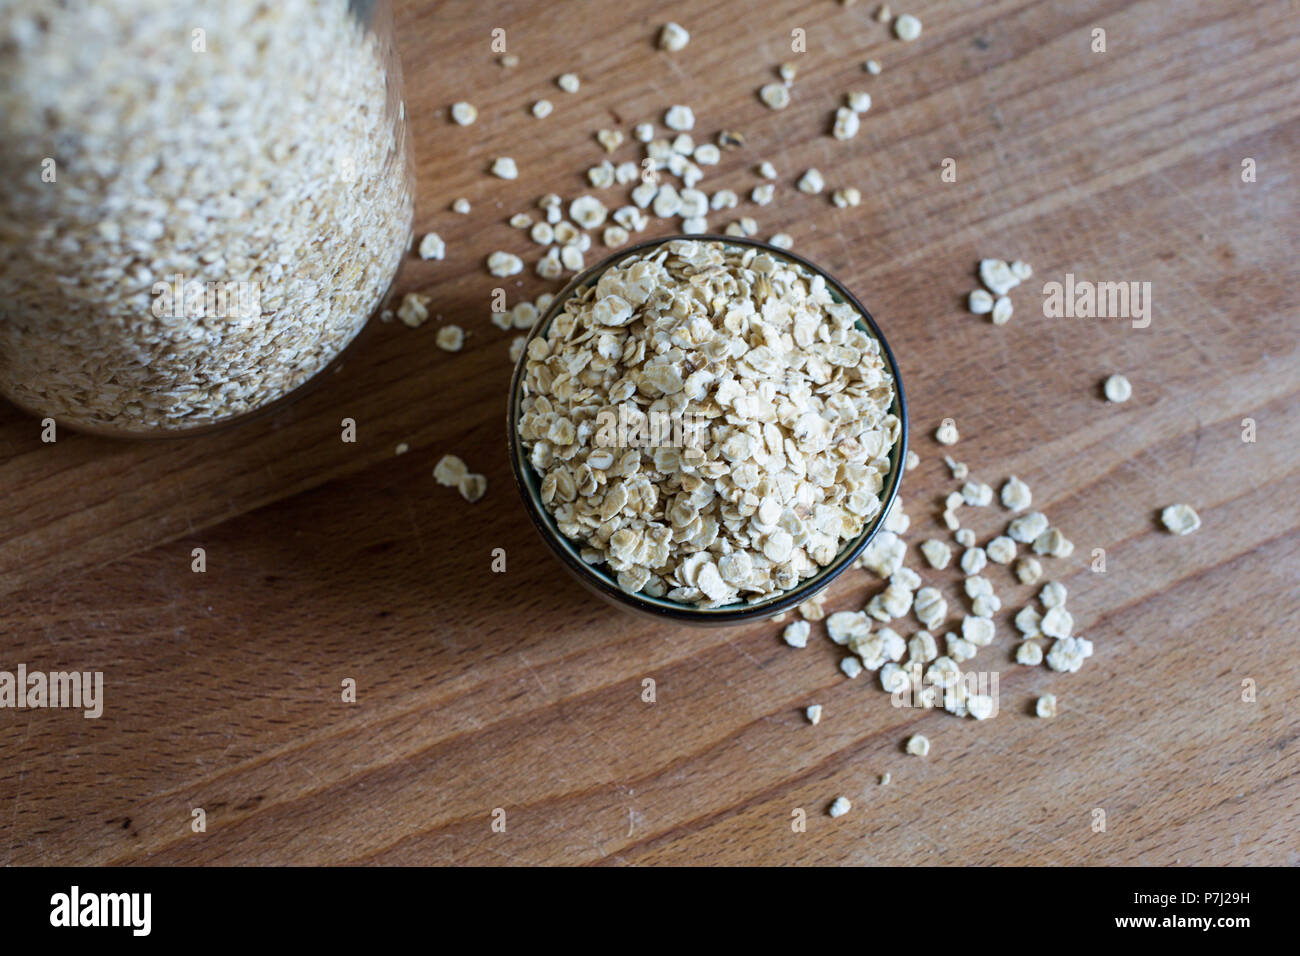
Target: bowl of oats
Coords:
[[706, 428]]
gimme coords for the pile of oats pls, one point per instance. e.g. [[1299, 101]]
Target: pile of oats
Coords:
[[783, 413], [283, 169]]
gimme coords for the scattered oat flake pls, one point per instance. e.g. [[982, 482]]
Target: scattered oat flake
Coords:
[[840, 807], [461, 206], [937, 553], [1001, 310], [472, 487], [1016, 494], [1028, 570], [858, 101], [814, 714], [907, 27], [731, 139], [1118, 389], [679, 118], [1053, 594], [775, 96], [873, 67], [414, 310], [918, 745], [610, 139], [464, 113], [796, 633], [505, 168], [1068, 654], [847, 124], [449, 471], [946, 434], [811, 182], [844, 198], [1046, 706], [542, 109], [782, 240], [402, 448], [706, 154], [980, 302], [673, 37], [568, 82], [450, 338], [503, 264], [432, 246], [997, 276], [1029, 654], [1180, 519]]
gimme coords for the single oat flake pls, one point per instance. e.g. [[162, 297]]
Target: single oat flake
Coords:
[[472, 487], [432, 247], [449, 471], [503, 264], [1001, 310], [450, 338], [918, 745], [796, 633], [775, 96], [679, 118], [907, 27], [811, 182], [1016, 495], [840, 806], [1117, 389], [997, 276], [463, 113], [1180, 519], [673, 37]]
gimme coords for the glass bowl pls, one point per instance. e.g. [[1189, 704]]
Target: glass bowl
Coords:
[[598, 579]]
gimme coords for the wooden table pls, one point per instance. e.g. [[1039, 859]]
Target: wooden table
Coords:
[[476, 690]]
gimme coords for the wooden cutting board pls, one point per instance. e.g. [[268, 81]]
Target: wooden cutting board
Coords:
[[479, 691]]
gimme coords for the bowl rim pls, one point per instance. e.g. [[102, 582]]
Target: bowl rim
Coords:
[[601, 581]]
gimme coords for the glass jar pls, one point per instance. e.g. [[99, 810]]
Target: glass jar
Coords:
[[201, 203]]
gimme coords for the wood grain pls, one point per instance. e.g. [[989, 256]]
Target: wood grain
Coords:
[[477, 690]]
